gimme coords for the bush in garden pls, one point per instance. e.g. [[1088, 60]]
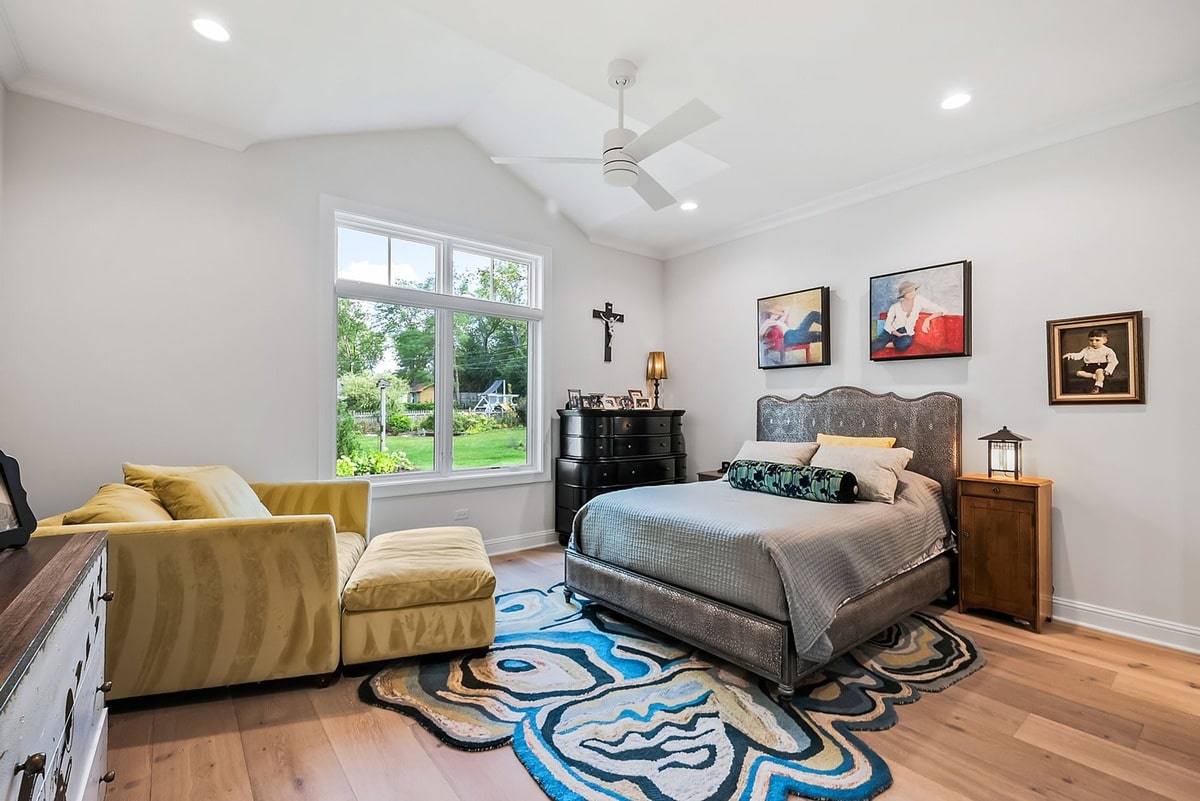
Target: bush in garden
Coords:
[[373, 463], [399, 423], [347, 432], [426, 423]]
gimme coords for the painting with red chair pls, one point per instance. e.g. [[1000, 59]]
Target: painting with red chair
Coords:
[[923, 313], [793, 329]]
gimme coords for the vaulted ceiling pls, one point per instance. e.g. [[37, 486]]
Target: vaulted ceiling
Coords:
[[821, 103]]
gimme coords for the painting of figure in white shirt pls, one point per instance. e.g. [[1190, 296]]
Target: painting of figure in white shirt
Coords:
[[1099, 360]]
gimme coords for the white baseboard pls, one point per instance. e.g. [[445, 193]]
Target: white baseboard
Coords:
[[520, 542], [1126, 624]]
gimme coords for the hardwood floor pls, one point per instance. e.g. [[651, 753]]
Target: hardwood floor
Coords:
[[1067, 714]]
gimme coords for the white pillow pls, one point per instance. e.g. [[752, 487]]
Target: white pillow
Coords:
[[783, 452], [877, 469]]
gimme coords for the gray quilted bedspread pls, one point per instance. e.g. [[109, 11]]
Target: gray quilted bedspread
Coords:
[[784, 558]]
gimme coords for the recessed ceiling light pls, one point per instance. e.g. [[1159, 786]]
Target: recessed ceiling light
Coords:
[[957, 100], [689, 205], [210, 30]]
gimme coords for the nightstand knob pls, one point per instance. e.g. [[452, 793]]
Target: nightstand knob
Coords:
[[108, 596], [995, 490], [966, 534]]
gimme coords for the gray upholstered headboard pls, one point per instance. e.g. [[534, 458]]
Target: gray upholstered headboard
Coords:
[[930, 426]]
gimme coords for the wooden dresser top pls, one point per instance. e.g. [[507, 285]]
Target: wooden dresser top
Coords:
[[35, 582]]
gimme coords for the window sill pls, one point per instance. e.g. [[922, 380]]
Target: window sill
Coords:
[[389, 487]]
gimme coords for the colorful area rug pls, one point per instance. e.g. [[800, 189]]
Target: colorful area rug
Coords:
[[598, 708]]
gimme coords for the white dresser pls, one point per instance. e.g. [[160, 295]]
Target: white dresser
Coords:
[[53, 723]]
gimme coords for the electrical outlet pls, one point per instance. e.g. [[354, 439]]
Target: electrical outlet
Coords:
[[462, 514]]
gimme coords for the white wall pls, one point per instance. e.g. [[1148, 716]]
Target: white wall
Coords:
[[160, 300], [1106, 223]]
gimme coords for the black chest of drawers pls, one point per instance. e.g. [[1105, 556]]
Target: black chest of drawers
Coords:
[[601, 450]]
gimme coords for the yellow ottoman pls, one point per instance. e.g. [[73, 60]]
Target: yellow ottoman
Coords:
[[421, 591]]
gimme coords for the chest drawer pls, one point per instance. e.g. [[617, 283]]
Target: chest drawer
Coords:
[[1007, 492], [648, 470]]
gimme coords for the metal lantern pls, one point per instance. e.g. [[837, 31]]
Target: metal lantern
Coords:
[[656, 370], [1004, 453]]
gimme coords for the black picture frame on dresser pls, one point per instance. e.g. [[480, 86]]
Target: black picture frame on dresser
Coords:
[[603, 450], [17, 520]]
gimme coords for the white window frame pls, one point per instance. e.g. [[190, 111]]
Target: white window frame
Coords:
[[339, 212]]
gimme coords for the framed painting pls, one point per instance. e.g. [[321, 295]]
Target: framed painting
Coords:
[[17, 521], [1096, 359], [793, 329], [921, 314]]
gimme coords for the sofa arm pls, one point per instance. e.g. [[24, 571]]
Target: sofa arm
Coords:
[[209, 603], [348, 501]]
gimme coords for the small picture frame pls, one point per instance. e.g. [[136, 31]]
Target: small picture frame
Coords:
[[642, 403], [793, 329], [574, 399], [609, 402], [17, 520], [636, 393], [593, 400], [1096, 359], [921, 314]]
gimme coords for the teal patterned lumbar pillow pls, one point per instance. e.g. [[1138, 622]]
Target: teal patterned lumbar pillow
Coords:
[[823, 484]]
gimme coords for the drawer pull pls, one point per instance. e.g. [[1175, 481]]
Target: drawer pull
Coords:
[[108, 596], [105, 687], [995, 490], [109, 778], [34, 765], [966, 534]]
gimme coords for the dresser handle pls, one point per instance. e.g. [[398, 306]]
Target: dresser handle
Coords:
[[109, 778], [995, 490], [105, 687], [966, 534], [34, 766], [108, 596]]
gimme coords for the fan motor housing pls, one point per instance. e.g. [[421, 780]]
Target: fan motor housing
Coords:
[[619, 169]]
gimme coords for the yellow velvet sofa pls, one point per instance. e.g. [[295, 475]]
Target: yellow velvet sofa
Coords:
[[212, 602]]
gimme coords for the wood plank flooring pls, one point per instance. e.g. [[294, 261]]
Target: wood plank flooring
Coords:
[[1067, 714]]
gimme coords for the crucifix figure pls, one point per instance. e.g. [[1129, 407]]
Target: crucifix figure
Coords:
[[610, 319]]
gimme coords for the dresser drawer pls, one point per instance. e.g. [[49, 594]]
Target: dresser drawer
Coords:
[[586, 474], [644, 471], [656, 424], [1008, 492], [586, 447]]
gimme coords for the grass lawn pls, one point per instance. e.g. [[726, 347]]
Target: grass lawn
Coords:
[[488, 449]]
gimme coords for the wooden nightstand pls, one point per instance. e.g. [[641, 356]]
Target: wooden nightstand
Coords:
[[1004, 536], [710, 475]]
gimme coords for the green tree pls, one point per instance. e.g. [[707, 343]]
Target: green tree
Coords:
[[360, 346], [360, 392], [488, 348]]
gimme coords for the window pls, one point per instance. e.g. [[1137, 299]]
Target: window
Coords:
[[438, 357]]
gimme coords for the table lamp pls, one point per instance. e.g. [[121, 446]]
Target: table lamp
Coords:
[[656, 370], [1004, 453]]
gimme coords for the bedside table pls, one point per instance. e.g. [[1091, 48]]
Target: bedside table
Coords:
[[1004, 558], [710, 475]]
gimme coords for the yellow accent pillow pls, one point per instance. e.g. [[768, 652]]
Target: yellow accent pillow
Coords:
[[118, 503], [856, 442], [212, 492], [142, 475]]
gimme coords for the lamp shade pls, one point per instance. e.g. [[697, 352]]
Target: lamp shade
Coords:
[[1004, 453], [656, 365]]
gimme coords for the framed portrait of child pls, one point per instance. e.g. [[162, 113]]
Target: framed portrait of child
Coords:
[[1096, 359]]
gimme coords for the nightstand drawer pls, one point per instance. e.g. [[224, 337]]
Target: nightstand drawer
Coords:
[[1008, 492]]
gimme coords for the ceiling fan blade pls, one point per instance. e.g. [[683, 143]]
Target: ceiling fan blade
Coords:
[[543, 160], [652, 191], [689, 118]]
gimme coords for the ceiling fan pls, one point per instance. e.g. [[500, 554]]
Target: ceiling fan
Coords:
[[623, 149]]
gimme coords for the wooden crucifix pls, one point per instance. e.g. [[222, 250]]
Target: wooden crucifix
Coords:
[[610, 319]]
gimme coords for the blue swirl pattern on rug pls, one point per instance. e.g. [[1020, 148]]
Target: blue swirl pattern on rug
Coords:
[[597, 708]]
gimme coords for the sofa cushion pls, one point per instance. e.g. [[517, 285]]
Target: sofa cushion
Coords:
[[350, 547], [444, 564], [142, 475], [118, 503], [209, 493]]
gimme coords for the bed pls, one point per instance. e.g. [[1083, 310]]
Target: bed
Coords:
[[639, 553]]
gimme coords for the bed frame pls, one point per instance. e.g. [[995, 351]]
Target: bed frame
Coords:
[[930, 425]]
